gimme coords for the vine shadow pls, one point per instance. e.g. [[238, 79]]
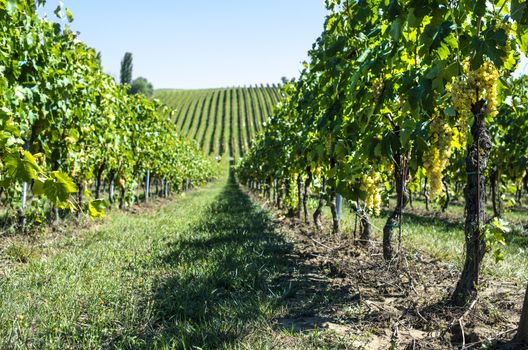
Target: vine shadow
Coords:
[[221, 279]]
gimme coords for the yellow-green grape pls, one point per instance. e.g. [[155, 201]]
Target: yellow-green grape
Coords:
[[462, 97], [488, 75], [480, 83], [459, 139], [437, 157], [433, 168], [369, 184], [377, 87]]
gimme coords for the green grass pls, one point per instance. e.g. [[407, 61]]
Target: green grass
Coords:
[[223, 121], [196, 273]]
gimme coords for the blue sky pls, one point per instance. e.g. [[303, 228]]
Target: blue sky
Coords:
[[200, 44]]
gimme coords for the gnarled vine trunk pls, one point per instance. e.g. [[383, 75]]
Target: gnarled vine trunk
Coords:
[[447, 198], [394, 219], [333, 210], [122, 198], [275, 185], [80, 197], [161, 187], [287, 188], [307, 184], [522, 331], [320, 205], [476, 163], [332, 201], [98, 181], [111, 189], [366, 229], [299, 196], [279, 195], [426, 195], [268, 188]]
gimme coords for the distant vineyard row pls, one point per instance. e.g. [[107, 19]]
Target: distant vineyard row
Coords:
[[222, 121]]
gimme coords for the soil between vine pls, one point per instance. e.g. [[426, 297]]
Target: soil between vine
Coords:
[[343, 289]]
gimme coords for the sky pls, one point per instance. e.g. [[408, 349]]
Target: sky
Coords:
[[192, 44]]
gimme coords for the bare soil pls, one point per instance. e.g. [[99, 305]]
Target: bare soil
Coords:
[[338, 285]]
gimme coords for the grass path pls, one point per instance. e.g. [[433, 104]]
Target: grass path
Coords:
[[194, 274]]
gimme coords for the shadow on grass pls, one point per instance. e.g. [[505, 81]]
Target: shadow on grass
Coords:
[[450, 225], [432, 218], [221, 280]]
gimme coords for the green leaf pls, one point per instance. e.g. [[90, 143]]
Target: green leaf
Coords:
[[501, 225], [363, 56], [58, 12], [479, 8], [69, 15], [415, 97], [38, 187], [519, 12], [58, 188], [11, 6], [394, 9], [450, 111], [493, 45], [23, 168], [395, 29], [96, 208], [522, 36], [406, 132], [499, 256], [442, 32]]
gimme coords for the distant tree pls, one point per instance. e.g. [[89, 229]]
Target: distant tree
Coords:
[[285, 80], [141, 86], [126, 69]]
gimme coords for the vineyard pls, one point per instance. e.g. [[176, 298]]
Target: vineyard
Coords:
[[68, 128], [379, 200], [222, 121]]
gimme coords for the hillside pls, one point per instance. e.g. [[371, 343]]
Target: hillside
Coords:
[[222, 121]]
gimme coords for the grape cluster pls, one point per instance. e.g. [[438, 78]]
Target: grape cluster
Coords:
[[370, 185], [121, 182], [377, 88], [475, 84], [437, 157]]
